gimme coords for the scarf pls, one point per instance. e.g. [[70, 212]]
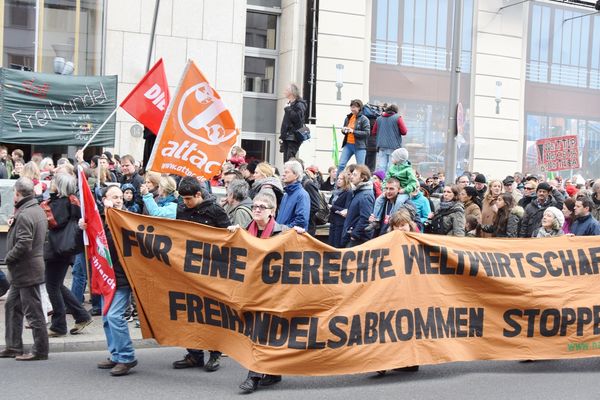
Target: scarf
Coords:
[[253, 229], [444, 205], [542, 233]]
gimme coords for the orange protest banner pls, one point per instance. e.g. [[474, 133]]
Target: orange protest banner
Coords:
[[292, 305], [197, 131]]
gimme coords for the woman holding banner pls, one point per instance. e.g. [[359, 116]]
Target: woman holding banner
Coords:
[[263, 226]]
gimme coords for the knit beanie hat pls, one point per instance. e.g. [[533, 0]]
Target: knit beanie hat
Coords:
[[558, 215], [480, 178], [399, 155], [380, 174]]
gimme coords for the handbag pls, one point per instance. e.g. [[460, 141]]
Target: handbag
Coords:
[[68, 241], [302, 134]]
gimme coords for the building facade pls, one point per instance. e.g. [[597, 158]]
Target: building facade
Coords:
[[527, 70]]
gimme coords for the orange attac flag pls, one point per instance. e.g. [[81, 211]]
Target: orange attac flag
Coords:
[[148, 101], [197, 132]]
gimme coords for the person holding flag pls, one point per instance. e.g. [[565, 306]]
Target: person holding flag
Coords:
[[108, 277]]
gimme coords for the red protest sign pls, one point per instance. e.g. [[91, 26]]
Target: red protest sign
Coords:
[[558, 153]]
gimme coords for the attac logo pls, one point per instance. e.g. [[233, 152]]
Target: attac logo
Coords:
[[199, 107], [197, 131]]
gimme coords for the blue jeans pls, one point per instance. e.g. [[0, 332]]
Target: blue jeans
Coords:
[[79, 277], [348, 151], [116, 329], [383, 159]]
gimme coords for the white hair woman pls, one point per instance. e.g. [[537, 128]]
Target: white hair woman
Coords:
[[263, 226], [63, 213], [552, 223]]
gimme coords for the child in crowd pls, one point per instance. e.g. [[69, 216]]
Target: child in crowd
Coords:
[[400, 169], [402, 221], [128, 198], [238, 156], [471, 226]]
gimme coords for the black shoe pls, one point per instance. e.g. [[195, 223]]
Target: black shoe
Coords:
[[94, 312], [412, 368], [269, 380], [10, 353], [188, 362], [250, 385], [213, 363]]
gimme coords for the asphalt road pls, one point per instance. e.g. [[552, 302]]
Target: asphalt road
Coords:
[[68, 376]]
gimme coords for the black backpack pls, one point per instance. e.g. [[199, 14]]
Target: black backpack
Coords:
[[322, 215], [436, 226]]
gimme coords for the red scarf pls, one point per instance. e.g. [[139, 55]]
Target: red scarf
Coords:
[[266, 233]]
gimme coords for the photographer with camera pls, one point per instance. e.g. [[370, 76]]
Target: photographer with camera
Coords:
[[356, 131]]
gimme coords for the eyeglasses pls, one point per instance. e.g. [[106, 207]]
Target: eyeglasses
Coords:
[[528, 188], [261, 207]]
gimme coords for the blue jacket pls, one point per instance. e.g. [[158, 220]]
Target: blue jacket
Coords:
[[295, 207], [166, 209], [585, 226], [359, 210], [422, 204]]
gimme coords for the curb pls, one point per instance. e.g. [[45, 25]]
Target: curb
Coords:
[[97, 345]]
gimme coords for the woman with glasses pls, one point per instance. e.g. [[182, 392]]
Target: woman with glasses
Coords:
[[263, 226]]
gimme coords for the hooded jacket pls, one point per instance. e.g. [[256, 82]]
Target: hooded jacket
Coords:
[[359, 210]]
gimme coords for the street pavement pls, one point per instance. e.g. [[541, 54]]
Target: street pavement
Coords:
[[92, 337], [73, 375]]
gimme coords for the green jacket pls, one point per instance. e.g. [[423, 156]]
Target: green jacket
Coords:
[[405, 174]]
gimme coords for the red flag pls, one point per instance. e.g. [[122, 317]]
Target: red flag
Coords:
[[103, 280], [148, 101]]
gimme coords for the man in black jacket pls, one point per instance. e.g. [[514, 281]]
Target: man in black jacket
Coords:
[[546, 196], [199, 206]]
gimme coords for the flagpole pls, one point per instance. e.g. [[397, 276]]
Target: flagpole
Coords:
[[99, 129]]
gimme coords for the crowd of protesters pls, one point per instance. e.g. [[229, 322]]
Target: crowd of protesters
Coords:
[[353, 202]]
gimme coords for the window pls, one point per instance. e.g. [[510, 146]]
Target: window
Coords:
[[559, 47], [261, 53], [259, 74], [261, 30]]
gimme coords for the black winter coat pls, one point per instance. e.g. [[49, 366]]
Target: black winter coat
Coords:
[[63, 211], [293, 119], [207, 213]]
